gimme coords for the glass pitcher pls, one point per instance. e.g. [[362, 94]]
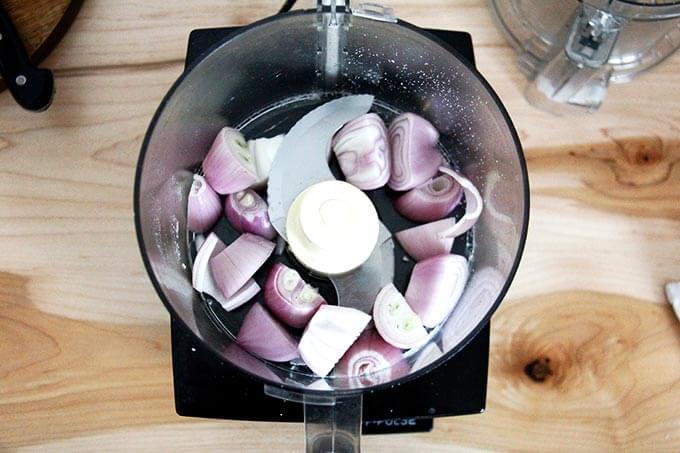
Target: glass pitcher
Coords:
[[571, 49]]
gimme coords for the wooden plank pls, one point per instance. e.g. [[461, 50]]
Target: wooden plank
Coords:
[[84, 346]]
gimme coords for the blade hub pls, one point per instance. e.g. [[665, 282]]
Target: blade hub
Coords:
[[332, 227]]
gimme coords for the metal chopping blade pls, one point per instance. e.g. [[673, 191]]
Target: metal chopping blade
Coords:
[[359, 288], [301, 161]]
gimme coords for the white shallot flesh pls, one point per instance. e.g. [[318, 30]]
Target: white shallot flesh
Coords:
[[473, 205], [203, 282], [396, 322], [329, 334], [264, 151], [236, 264]]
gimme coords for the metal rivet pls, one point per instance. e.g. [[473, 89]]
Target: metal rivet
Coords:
[[21, 80]]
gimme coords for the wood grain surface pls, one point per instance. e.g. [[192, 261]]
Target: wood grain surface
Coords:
[[585, 352], [35, 19]]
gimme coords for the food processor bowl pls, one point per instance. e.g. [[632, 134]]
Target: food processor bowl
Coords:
[[571, 50], [261, 80]]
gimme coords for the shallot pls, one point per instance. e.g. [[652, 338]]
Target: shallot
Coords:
[[329, 334], [473, 205], [264, 151], [363, 152], [436, 238], [424, 241], [262, 335], [203, 206], [247, 213], [435, 286], [415, 158], [236, 264], [396, 322], [370, 355], [430, 201], [202, 279], [229, 166], [289, 297]]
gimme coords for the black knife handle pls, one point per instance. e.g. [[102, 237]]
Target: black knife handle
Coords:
[[31, 87]]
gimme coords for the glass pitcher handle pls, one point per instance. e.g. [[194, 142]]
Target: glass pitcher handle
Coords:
[[332, 423], [578, 76]]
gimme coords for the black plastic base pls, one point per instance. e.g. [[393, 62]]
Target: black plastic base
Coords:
[[208, 387]]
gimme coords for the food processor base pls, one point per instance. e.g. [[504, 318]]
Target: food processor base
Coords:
[[207, 387]]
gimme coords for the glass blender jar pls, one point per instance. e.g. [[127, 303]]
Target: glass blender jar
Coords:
[[571, 49]]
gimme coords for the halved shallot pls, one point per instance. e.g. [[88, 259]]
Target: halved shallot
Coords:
[[329, 334], [203, 282], [396, 322], [363, 152], [430, 201], [262, 335], [229, 166], [247, 213], [236, 264], [289, 297], [369, 358], [415, 158], [435, 286], [203, 206]]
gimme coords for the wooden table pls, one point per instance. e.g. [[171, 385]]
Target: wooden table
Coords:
[[84, 340]]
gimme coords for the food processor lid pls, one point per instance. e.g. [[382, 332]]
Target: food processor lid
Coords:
[[638, 9], [572, 50]]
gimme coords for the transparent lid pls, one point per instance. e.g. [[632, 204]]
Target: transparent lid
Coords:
[[572, 49], [639, 9]]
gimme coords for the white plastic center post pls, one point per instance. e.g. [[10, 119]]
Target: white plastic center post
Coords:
[[332, 227]]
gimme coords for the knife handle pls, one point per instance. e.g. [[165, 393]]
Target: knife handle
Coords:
[[31, 87]]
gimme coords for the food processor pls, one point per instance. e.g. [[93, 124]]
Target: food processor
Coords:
[[261, 79], [571, 49]]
